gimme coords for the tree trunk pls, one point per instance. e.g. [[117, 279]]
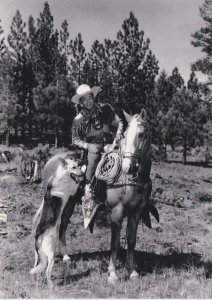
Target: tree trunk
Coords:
[[8, 137], [184, 151], [30, 124], [56, 138], [165, 152], [172, 145], [66, 141]]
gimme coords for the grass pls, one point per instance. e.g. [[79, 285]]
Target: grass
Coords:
[[173, 259]]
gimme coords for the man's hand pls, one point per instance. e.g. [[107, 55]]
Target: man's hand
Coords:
[[94, 148], [116, 143], [118, 137]]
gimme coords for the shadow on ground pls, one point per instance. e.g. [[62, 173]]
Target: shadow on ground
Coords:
[[145, 262], [191, 163]]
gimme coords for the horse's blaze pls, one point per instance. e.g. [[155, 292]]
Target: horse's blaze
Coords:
[[126, 165]]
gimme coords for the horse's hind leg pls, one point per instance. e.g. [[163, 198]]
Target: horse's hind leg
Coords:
[[132, 226], [116, 220], [67, 213]]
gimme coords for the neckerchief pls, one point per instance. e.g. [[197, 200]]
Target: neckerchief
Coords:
[[93, 118]]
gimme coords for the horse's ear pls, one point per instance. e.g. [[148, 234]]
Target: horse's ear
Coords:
[[62, 161], [127, 116], [143, 114]]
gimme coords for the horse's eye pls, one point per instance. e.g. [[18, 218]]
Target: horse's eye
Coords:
[[140, 135]]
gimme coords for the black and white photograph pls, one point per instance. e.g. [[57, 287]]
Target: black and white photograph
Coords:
[[106, 149]]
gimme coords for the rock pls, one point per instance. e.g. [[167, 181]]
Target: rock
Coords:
[[8, 181], [205, 198]]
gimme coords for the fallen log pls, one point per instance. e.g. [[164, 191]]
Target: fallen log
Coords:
[[3, 218]]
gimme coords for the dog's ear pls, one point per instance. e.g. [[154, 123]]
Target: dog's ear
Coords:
[[127, 116], [63, 161]]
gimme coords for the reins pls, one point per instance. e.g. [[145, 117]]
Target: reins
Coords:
[[124, 180]]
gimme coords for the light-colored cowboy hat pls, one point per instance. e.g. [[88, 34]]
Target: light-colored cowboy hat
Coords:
[[83, 90]]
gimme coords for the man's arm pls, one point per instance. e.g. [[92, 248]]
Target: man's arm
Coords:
[[77, 139], [76, 134]]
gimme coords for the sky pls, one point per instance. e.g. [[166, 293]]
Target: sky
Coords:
[[167, 23]]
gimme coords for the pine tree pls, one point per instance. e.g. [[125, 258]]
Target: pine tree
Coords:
[[193, 83], [48, 73], [57, 110], [176, 81], [88, 74], [158, 106], [136, 66], [64, 47], [163, 92], [5, 64], [46, 41], [100, 60], [18, 38], [7, 99], [78, 56], [18, 48], [31, 75], [203, 39], [2, 43], [171, 85], [185, 120]]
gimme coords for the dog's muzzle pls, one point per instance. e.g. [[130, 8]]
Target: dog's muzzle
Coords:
[[77, 178]]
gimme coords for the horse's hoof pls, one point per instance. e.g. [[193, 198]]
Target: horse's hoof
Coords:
[[134, 275], [112, 280], [66, 258]]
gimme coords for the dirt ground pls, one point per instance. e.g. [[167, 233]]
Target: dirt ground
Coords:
[[173, 258]]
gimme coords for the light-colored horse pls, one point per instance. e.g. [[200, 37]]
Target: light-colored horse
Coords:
[[129, 197]]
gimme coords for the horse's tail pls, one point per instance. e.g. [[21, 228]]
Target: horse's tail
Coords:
[[150, 208]]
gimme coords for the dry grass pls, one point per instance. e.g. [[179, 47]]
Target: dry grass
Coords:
[[174, 258]]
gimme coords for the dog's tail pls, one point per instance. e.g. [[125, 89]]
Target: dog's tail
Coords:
[[41, 259]]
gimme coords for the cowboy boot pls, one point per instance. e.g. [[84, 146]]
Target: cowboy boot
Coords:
[[89, 205]]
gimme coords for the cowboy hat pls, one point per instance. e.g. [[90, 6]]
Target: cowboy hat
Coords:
[[83, 90]]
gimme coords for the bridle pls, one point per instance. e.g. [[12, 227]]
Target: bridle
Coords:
[[136, 156]]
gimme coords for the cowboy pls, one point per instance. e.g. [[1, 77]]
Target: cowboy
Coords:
[[91, 130]]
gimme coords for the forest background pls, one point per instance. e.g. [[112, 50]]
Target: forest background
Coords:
[[41, 67]]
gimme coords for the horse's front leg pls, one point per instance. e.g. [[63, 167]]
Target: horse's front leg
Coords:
[[67, 213], [132, 226], [116, 220]]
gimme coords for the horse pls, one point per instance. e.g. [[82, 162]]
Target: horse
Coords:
[[128, 196]]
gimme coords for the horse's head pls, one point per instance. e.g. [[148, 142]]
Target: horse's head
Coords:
[[137, 142]]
